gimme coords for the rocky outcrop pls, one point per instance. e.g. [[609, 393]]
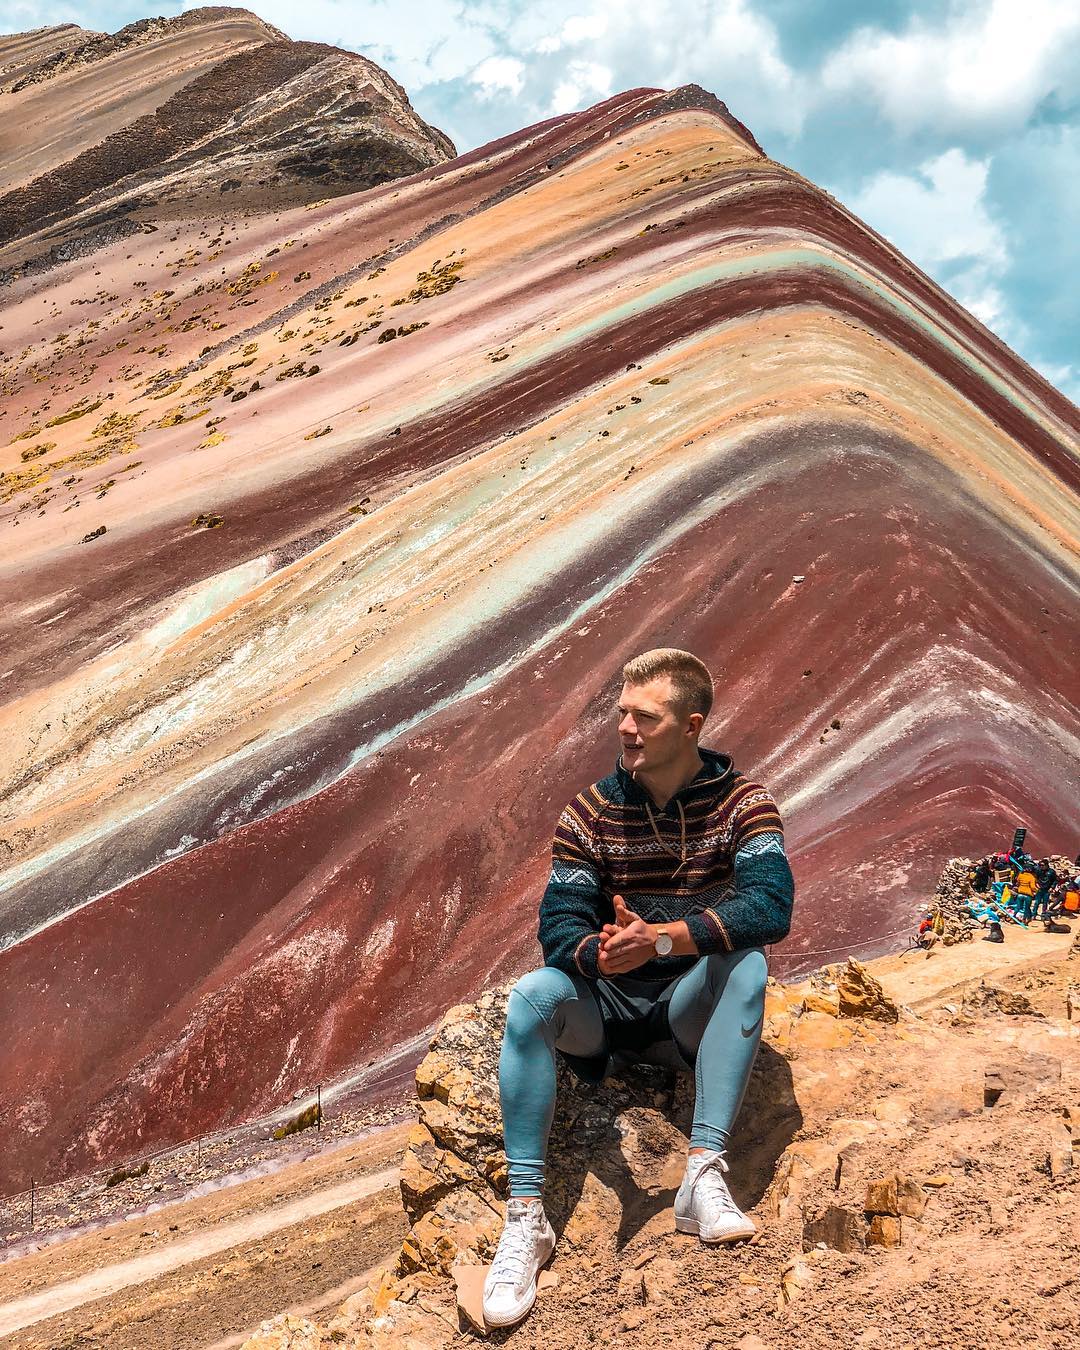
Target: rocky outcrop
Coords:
[[611, 1146], [867, 1150], [859, 994], [67, 46], [24, 56]]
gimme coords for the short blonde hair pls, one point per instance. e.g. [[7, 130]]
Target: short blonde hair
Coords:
[[689, 677]]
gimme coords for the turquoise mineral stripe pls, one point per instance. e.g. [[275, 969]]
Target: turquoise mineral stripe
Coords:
[[781, 260]]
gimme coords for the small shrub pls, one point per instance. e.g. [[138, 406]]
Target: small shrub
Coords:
[[125, 1174], [310, 1116]]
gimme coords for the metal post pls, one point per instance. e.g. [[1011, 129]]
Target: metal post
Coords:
[[31, 1202], [318, 1110]]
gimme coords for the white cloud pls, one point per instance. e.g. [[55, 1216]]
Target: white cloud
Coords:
[[986, 301], [585, 82], [724, 45], [939, 218], [986, 66], [937, 214], [425, 43], [577, 28], [499, 74], [23, 16]]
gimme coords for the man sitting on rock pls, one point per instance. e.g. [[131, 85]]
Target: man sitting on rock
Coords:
[[668, 878]]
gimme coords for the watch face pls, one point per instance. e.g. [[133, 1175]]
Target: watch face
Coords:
[[664, 944]]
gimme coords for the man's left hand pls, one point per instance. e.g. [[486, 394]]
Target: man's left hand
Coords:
[[627, 943]]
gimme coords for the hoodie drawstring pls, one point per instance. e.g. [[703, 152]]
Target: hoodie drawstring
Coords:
[[681, 855]]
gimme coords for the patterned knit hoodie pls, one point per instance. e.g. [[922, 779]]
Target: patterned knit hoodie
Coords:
[[714, 856]]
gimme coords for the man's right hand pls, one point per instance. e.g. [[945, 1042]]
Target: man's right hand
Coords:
[[627, 943]]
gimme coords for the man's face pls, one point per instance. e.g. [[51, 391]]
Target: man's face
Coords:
[[653, 734]]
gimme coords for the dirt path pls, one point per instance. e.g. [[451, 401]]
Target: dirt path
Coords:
[[302, 1237], [915, 977], [111, 1279]]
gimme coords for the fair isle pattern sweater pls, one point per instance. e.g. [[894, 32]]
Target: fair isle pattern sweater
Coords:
[[735, 889]]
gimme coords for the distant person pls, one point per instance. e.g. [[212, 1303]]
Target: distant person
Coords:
[[992, 873], [1045, 881], [1027, 886], [1001, 876], [984, 911], [668, 878], [1069, 896]]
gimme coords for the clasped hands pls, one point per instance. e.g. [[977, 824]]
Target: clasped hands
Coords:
[[627, 943]]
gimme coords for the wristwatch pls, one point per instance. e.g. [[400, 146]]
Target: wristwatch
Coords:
[[663, 942]]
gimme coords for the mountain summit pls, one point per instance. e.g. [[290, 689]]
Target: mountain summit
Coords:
[[106, 133]]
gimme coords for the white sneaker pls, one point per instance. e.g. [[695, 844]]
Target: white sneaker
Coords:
[[526, 1245], [704, 1205]]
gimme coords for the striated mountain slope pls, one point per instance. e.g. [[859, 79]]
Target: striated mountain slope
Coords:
[[25, 57], [327, 529], [110, 134]]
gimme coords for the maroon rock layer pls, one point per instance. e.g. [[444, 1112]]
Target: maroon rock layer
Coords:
[[279, 790]]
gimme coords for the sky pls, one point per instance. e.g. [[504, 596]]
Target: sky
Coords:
[[950, 126]]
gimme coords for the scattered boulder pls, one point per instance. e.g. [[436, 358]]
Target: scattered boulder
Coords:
[[797, 1278], [896, 1195], [1019, 1076], [938, 1180], [884, 1231], [823, 996], [861, 995], [990, 998], [844, 1230], [286, 1332]]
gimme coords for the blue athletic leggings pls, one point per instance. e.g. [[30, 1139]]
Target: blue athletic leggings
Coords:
[[715, 1015]]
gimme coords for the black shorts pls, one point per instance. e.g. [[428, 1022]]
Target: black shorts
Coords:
[[636, 1028]]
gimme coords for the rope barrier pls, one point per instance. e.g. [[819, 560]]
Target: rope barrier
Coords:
[[853, 946]]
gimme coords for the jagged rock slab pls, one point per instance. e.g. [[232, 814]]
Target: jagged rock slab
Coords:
[[378, 492]]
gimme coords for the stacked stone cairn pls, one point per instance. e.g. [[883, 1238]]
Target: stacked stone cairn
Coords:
[[951, 897]]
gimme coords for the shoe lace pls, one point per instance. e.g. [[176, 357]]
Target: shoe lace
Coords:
[[514, 1249], [710, 1180]]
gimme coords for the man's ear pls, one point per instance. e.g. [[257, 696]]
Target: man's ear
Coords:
[[697, 721]]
